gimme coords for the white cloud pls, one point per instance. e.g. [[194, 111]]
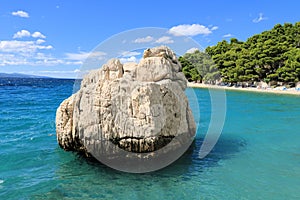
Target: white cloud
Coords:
[[81, 56], [227, 35], [129, 56], [49, 61], [189, 30], [207, 40], [55, 73], [38, 35], [21, 46], [35, 53], [9, 59], [77, 56], [76, 71], [25, 33], [14, 52], [259, 18], [20, 13], [164, 40], [130, 53], [33, 59], [144, 39], [192, 50], [22, 33], [40, 41], [214, 28], [129, 59]]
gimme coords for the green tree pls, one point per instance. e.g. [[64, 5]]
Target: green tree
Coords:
[[200, 67], [272, 55]]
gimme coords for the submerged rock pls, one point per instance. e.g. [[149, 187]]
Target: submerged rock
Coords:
[[138, 108]]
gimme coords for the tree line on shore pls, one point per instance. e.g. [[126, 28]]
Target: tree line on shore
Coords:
[[272, 56]]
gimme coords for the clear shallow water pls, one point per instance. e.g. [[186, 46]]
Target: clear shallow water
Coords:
[[257, 156]]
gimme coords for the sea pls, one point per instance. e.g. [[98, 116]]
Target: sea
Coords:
[[256, 157]]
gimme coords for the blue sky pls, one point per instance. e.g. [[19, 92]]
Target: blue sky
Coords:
[[53, 37]]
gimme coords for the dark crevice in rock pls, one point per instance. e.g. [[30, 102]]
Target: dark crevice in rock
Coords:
[[150, 144]]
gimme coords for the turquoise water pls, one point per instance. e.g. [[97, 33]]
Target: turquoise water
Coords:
[[256, 157]]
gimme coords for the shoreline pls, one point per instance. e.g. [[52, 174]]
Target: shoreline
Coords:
[[291, 91]]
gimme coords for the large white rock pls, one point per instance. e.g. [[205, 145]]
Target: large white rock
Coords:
[[137, 107]]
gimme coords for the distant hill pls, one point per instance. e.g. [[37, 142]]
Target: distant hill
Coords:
[[19, 75]]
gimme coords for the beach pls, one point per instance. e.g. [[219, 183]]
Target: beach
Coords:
[[289, 91]]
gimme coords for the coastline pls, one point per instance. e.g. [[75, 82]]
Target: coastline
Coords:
[[291, 91]]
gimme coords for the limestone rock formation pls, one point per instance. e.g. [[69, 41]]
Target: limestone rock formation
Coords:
[[137, 107]]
